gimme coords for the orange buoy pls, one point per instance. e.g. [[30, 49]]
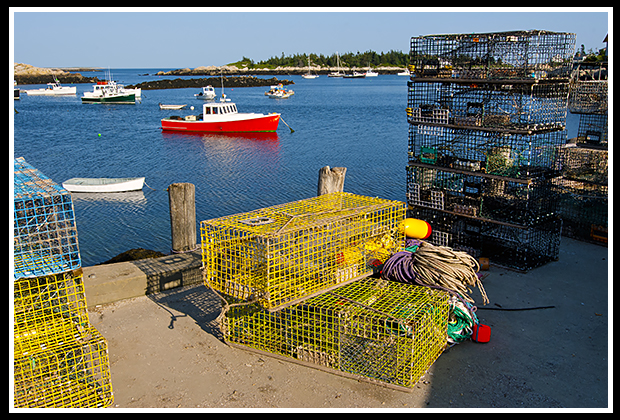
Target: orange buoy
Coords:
[[484, 263], [416, 228]]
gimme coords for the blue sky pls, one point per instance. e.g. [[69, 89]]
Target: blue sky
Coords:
[[192, 37]]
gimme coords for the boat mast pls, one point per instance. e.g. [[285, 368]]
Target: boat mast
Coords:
[[223, 98]]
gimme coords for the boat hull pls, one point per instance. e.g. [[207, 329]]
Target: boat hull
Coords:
[[52, 92], [253, 124], [118, 99], [103, 185], [280, 96]]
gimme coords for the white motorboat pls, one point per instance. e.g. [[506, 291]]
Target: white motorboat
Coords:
[[103, 185], [136, 91], [355, 75], [163, 106], [370, 73], [53, 89], [207, 93], [278, 92], [109, 91]]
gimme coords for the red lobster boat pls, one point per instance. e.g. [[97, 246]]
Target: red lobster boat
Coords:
[[222, 117]]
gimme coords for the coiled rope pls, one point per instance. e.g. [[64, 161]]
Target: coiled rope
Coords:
[[461, 321], [435, 266], [442, 268]]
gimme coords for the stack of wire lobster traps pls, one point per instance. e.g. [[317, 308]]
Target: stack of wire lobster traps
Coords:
[[487, 116], [60, 359], [300, 281], [583, 162]]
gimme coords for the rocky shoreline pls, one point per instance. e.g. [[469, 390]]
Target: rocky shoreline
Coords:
[[234, 70], [229, 82], [25, 74]]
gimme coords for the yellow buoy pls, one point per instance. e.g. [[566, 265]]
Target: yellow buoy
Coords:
[[416, 228]]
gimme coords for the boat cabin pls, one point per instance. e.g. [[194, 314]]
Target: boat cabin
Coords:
[[219, 108]]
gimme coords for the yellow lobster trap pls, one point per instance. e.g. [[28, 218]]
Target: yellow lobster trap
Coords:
[[48, 311], [373, 329], [73, 375], [283, 254]]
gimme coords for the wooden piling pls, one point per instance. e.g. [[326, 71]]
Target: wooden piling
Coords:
[[331, 180], [181, 197]]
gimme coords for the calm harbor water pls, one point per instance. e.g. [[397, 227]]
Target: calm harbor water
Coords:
[[356, 123]]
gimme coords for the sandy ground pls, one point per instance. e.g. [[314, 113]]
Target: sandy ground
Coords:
[[165, 351]]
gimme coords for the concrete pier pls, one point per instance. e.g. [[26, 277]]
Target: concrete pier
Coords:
[[166, 351]]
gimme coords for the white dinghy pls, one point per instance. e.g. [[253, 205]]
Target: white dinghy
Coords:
[[164, 106], [103, 185]]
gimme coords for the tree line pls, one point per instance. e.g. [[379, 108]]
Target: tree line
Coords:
[[369, 58]]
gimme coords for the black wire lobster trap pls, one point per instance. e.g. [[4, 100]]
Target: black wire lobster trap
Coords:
[[499, 55], [485, 152], [508, 200], [593, 130], [513, 107], [583, 192], [511, 246]]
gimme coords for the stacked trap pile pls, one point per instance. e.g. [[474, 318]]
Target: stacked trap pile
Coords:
[[487, 115], [583, 163], [294, 281], [60, 360]]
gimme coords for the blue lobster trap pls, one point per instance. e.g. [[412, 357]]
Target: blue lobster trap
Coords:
[[45, 235]]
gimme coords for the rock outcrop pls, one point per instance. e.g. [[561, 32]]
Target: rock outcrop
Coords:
[[25, 74], [229, 82]]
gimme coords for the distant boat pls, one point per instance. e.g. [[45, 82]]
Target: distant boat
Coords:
[[53, 89], [163, 106], [336, 73], [370, 73], [355, 75], [103, 185], [404, 73], [309, 75], [207, 93], [278, 92], [109, 92]]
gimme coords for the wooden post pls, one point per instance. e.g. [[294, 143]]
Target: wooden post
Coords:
[[181, 197], [331, 180]]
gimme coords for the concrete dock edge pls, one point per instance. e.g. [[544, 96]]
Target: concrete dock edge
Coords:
[[109, 283]]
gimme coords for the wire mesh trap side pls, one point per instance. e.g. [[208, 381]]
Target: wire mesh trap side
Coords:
[[503, 107], [73, 375], [589, 92], [478, 196], [520, 248], [44, 230], [48, 311], [500, 55], [282, 254], [382, 331], [508, 155], [583, 193], [593, 131]]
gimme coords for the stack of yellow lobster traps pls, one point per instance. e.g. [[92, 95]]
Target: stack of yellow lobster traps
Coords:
[[296, 283], [60, 360]]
